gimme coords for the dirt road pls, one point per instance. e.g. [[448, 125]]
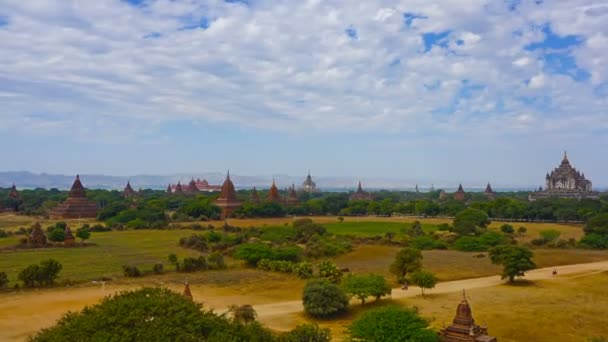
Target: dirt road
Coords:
[[23, 313]]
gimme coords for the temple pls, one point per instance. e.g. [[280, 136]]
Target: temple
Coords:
[[308, 185], [463, 327], [273, 193], [255, 197], [187, 293], [360, 195], [565, 182], [292, 196], [227, 200], [178, 189], [76, 206], [459, 194], [13, 193], [128, 192], [69, 239], [193, 187], [489, 192], [37, 237]]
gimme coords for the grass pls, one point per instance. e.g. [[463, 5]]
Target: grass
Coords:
[[12, 222], [371, 228]]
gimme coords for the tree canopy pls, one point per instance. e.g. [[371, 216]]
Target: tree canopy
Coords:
[[408, 260], [322, 298], [392, 324], [516, 260]]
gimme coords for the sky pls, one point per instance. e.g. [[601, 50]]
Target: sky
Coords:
[[461, 91]]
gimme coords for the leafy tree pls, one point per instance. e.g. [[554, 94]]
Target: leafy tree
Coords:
[[173, 260], [516, 260], [158, 268], [594, 241], [306, 333], [243, 313], [253, 252], [29, 275], [83, 233], [57, 234], [3, 280], [549, 235], [415, 229], [467, 221], [322, 298], [362, 287], [149, 314], [43, 274], [507, 229], [522, 230], [131, 271], [597, 224], [424, 280], [408, 260], [392, 323], [329, 270]]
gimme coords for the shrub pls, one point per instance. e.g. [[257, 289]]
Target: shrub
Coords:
[[392, 323], [427, 243], [131, 271], [192, 264], [550, 235], [57, 234], [303, 270], [43, 274], [516, 260], [594, 241], [252, 253], [522, 230], [329, 271], [467, 221], [362, 287], [158, 268], [507, 229], [321, 246], [3, 280], [242, 313], [306, 333], [424, 280], [444, 227], [100, 228], [197, 242], [3, 234], [406, 261], [469, 244], [83, 233], [216, 261], [322, 299]]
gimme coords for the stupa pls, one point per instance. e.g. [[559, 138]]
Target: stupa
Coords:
[[187, 293], [76, 206], [463, 327], [308, 185], [292, 196], [459, 194], [273, 193], [227, 200], [37, 237], [69, 239], [360, 195], [489, 192], [255, 197], [128, 192]]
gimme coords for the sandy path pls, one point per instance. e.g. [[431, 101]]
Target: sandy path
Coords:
[[23, 313], [270, 314]]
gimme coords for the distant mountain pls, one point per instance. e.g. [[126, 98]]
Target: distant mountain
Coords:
[[29, 180]]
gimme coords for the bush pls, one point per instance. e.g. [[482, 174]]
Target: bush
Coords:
[[197, 242], [424, 280], [467, 221], [469, 244], [303, 270], [550, 235], [427, 243], [57, 234], [192, 264], [131, 271], [322, 299], [507, 229], [594, 241], [329, 271], [392, 323], [362, 287], [306, 333], [3, 234], [406, 261], [242, 313], [321, 246], [3, 280], [522, 230], [43, 274], [158, 268], [216, 261], [83, 233]]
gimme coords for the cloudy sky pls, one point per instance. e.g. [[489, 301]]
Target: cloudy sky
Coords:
[[465, 90]]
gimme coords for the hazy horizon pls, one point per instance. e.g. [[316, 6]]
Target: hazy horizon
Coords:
[[461, 91]]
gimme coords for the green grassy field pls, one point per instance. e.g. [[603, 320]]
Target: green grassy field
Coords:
[[371, 228], [113, 249]]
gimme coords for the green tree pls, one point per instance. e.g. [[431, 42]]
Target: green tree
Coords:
[[83, 233], [57, 234], [306, 333], [329, 270], [173, 260], [149, 314], [467, 221], [251, 253], [243, 313], [415, 229], [362, 287], [522, 230], [43, 274], [392, 323], [516, 260], [549, 235], [408, 260], [322, 298], [597, 224], [507, 229], [424, 280]]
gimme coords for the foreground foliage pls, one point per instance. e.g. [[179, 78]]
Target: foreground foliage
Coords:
[[390, 324], [322, 298]]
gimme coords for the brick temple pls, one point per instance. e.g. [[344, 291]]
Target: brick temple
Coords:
[[292, 196], [463, 327], [459, 194], [227, 200], [360, 195], [273, 193], [76, 206], [565, 181]]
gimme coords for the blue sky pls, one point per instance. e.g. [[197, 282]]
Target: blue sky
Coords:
[[453, 91]]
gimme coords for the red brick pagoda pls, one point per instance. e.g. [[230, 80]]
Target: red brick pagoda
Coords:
[[76, 206], [128, 192], [463, 327], [489, 192], [192, 188], [187, 293], [459, 194], [360, 195], [255, 197], [69, 239], [292, 196], [13, 193], [273, 193], [227, 200]]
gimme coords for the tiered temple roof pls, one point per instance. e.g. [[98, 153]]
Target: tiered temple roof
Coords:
[[13, 193], [227, 200], [37, 237], [292, 196], [178, 188], [488, 191], [192, 188], [459, 194], [360, 195], [273, 193], [308, 185], [187, 293], [69, 239], [463, 327], [76, 206], [128, 192], [565, 181]]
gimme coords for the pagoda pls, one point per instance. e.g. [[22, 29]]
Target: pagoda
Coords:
[[13, 193], [565, 181], [308, 185], [255, 197], [128, 192], [187, 293], [227, 200], [192, 188], [489, 192], [273, 193], [443, 195], [76, 206], [292, 196], [463, 327], [459, 194], [69, 239], [37, 237], [360, 195], [169, 190]]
